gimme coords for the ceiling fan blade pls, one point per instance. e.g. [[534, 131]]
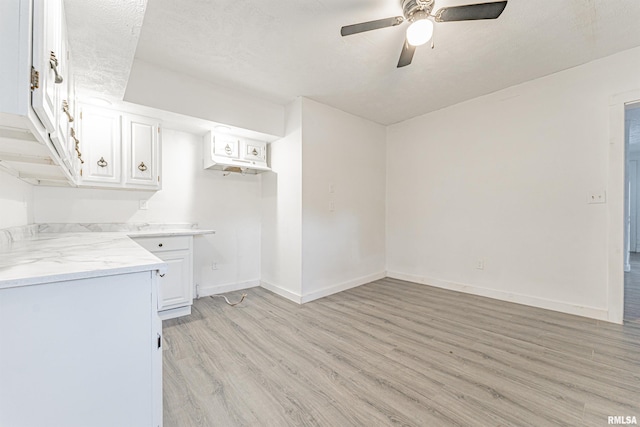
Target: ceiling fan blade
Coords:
[[470, 12], [371, 25], [406, 55]]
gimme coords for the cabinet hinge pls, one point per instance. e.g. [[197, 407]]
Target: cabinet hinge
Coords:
[[35, 79]]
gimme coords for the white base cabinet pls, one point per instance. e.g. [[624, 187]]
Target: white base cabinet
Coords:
[[81, 353], [176, 285]]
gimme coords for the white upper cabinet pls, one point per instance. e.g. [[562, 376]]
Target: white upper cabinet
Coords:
[[100, 138], [119, 150], [141, 140], [234, 154], [34, 131], [47, 60]]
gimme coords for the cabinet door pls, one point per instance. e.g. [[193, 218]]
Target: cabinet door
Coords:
[[175, 285], [47, 60], [226, 146], [254, 150], [100, 146], [81, 353], [60, 137], [142, 144], [72, 119]]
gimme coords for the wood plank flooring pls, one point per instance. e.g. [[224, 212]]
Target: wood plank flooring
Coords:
[[395, 353]]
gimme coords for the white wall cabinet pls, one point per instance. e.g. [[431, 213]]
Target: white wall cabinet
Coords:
[[119, 150], [48, 60], [81, 353], [141, 139], [233, 154], [35, 81], [100, 143], [51, 98], [176, 285]]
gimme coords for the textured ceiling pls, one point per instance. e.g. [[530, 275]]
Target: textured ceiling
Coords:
[[281, 49], [103, 35]]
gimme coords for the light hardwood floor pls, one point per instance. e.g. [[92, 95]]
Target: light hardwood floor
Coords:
[[395, 353]]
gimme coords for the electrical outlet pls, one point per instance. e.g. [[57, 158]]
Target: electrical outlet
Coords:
[[144, 205], [214, 265], [597, 196], [480, 264], [332, 206]]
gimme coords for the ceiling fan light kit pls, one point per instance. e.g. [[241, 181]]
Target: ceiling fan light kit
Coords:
[[420, 31]]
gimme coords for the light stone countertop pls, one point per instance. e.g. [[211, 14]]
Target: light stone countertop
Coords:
[[46, 257]]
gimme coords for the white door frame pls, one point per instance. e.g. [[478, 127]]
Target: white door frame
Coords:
[[615, 211], [633, 205]]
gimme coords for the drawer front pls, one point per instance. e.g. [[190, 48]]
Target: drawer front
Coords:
[[161, 244]]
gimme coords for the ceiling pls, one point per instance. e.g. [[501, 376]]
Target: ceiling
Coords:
[[281, 49]]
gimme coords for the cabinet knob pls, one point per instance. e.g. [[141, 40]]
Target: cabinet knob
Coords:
[[102, 162], [142, 166], [53, 62], [160, 244]]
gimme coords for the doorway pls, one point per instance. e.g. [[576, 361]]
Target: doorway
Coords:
[[632, 214]]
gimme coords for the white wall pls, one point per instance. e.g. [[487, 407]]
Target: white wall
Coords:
[[186, 95], [16, 202], [504, 179], [228, 204], [282, 211], [343, 161], [309, 251]]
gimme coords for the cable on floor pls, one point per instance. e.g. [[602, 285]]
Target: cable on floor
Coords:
[[228, 302]]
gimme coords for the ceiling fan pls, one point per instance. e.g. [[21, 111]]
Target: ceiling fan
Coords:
[[418, 13]]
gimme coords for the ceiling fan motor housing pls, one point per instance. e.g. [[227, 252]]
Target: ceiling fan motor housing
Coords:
[[416, 9]]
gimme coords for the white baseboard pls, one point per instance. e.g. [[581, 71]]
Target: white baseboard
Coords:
[[281, 291], [563, 307], [205, 291], [330, 290]]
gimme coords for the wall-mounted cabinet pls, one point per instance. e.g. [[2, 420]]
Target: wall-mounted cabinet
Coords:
[[234, 154], [35, 84], [141, 138], [100, 144], [119, 150]]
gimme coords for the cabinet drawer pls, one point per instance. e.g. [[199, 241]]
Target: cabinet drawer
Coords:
[[161, 244]]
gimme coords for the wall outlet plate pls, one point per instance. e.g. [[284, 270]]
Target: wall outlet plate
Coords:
[[596, 196], [144, 205]]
